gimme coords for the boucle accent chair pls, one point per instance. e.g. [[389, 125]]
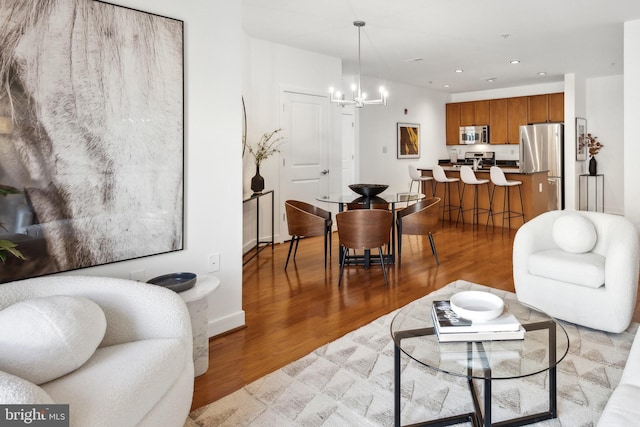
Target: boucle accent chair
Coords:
[[118, 352], [579, 266]]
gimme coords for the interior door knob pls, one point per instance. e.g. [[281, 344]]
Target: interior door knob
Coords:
[[324, 172]]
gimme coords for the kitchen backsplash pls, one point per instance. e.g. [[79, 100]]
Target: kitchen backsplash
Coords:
[[503, 152]]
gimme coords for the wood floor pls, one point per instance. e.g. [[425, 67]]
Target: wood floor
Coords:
[[290, 314]]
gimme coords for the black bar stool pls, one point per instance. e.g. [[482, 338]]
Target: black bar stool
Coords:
[[499, 180]]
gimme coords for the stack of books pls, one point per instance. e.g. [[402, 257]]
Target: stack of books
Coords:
[[450, 327]]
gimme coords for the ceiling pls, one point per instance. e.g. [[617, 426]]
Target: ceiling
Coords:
[[423, 42]]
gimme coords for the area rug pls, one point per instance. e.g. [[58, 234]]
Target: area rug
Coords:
[[349, 382]]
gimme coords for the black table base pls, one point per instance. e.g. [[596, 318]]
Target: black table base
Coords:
[[482, 413]]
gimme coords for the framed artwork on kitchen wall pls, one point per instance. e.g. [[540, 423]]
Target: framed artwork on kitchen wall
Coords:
[[94, 154], [581, 139], [408, 141]]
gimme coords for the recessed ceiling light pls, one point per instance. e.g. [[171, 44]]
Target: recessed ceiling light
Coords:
[[514, 61], [459, 70], [542, 73], [491, 79], [418, 59], [447, 85]]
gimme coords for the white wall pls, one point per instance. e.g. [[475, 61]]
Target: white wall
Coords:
[[271, 68], [378, 162], [213, 165], [631, 115], [605, 119]]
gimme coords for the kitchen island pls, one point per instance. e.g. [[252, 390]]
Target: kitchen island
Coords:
[[535, 194]]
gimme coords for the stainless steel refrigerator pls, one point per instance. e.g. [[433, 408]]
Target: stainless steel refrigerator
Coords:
[[542, 149]]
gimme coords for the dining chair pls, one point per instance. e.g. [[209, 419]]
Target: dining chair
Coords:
[[418, 219], [364, 229], [306, 220]]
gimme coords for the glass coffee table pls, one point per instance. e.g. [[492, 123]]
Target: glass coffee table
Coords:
[[485, 361]]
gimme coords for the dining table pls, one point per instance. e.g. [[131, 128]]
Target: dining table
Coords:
[[388, 198]]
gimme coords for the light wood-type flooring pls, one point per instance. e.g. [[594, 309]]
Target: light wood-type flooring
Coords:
[[290, 314]]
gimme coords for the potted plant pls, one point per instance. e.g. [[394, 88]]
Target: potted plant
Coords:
[[266, 147], [594, 147]]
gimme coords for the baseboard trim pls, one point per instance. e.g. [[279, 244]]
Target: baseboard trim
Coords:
[[226, 324]]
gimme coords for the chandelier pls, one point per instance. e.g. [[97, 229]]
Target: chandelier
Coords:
[[358, 98]]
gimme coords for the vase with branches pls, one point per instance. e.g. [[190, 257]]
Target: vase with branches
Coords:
[[267, 146], [594, 146]]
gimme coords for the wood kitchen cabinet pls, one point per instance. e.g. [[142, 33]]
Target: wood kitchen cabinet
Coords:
[[556, 107], [546, 108], [498, 121], [453, 124], [517, 116], [474, 113]]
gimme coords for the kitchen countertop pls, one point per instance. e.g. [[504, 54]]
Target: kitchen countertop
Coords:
[[456, 168]]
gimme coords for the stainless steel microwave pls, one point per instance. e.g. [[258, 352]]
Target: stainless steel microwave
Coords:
[[474, 134]]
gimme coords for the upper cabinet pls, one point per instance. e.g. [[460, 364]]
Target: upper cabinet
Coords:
[[517, 116], [474, 113], [498, 121], [546, 108], [453, 124], [504, 116]]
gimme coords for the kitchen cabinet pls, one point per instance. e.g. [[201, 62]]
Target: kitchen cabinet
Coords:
[[474, 113], [453, 124], [556, 107], [517, 116], [498, 121], [546, 108]]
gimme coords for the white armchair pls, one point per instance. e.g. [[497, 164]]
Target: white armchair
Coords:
[[579, 266], [140, 374]]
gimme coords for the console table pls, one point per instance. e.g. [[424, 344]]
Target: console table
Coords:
[[598, 192], [255, 250]]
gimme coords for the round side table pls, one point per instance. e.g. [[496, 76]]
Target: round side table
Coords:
[[196, 300]]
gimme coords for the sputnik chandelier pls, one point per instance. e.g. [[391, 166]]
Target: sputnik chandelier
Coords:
[[358, 98]]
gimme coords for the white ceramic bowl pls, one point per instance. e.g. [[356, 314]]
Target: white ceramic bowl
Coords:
[[477, 305]]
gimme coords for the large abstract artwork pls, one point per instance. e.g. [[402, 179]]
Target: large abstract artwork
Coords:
[[91, 135]]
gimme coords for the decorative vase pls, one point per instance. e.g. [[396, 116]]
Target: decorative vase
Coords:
[[257, 182], [593, 166]]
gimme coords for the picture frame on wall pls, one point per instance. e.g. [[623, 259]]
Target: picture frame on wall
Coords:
[[581, 139], [408, 140], [94, 154]]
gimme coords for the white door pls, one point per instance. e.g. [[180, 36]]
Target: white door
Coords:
[[348, 149], [305, 152]]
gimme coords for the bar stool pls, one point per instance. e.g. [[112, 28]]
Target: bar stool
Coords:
[[440, 177], [468, 177], [499, 180], [417, 177]]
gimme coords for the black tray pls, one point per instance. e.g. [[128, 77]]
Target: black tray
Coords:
[[177, 282]]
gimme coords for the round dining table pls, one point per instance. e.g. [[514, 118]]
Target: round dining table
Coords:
[[388, 198]]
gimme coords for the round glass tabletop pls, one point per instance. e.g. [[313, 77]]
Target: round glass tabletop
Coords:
[[545, 343]]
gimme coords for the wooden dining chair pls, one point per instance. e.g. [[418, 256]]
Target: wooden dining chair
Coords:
[[364, 229], [418, 219], [306, 220]]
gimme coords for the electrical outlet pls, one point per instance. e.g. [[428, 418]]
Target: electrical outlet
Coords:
[[213, 262]]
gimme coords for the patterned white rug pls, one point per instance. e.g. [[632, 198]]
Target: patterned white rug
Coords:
[[349, 382]]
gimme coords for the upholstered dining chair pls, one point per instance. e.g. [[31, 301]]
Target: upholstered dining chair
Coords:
[[306, 220], [364, 229], [417, 219]]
